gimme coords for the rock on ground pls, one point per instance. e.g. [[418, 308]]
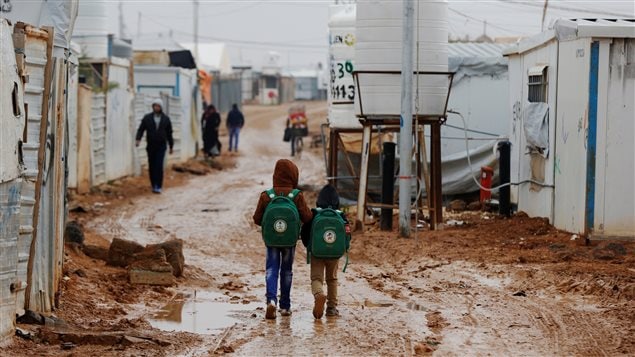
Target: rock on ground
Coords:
[[457, 206], [121, 252], [151, 267], [173, 254], [95, 252], [74, 233]]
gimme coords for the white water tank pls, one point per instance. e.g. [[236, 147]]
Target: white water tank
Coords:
[[341, 91], [379, 46], [91, 28]]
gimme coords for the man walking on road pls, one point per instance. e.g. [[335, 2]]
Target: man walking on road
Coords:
[[235, 122], [158, 130]]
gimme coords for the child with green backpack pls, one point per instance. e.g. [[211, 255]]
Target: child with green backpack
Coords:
[[327, 238], [280, 212]]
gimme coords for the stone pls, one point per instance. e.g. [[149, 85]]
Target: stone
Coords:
[[31, 318], [73, 233], [173, 253], [150, 267], [457, 206], [148, 277], [121, 252], [131, 340], [95, 252], [475, 206]]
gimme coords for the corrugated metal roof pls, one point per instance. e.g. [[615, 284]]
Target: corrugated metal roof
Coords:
[[474, 49]]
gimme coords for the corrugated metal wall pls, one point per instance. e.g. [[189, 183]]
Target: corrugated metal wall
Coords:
[[173, 109], [119, 128], [73, 83], [11, 128], [35, 61], [49, 243], [226, 90], [9, 231], [98, 139], [142, 106]]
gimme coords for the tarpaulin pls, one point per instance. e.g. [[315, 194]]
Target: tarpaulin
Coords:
[[536, 125]]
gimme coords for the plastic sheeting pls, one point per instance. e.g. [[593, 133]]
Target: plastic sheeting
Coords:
[[536, 125], [476, 66], [60, 15], [456, 173]]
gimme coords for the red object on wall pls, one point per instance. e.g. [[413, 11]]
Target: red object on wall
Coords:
[[487, 175]]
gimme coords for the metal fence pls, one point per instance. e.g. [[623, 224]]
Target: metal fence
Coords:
[[226, 90], [98, 139]]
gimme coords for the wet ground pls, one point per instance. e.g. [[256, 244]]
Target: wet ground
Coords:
[[489, 287]]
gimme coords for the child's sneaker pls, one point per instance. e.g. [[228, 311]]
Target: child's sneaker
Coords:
[[270, 314], [318, 308], [285, 312], [332, 311]]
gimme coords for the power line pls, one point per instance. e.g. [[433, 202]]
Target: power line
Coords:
[[512, 31], [243, 42], [565, 8], [249, 6]]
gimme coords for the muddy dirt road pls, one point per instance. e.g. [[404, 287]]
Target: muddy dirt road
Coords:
[[481, 289], [388, 307]]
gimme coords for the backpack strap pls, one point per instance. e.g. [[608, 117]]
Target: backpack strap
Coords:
[[293, 194], [271, 193]]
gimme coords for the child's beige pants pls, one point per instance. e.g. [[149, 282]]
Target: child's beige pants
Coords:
[[318, 269]]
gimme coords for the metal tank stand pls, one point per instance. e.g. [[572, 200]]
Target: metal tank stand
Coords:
[[391, 123]]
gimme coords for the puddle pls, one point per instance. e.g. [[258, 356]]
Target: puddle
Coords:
[[201, 313]]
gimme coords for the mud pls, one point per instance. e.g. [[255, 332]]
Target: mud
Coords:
[[448, 292]]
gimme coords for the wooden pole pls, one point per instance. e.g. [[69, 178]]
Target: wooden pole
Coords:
[[363, 177]]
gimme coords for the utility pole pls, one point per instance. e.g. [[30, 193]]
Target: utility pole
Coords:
[[138, 24], [544, 15], [405, 132], [122, 26], [196, 55]]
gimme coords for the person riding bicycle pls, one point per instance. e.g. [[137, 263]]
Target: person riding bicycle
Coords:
[[298, 123]]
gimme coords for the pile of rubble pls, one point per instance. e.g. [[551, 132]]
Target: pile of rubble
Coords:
[[154, 264]]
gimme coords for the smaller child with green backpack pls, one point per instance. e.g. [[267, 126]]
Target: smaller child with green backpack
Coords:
[[280, 212], [327, 238]]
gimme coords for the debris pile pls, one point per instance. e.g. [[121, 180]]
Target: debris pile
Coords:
[[155, 264]]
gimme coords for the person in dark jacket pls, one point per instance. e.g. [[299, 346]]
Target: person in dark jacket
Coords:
[[235, 122], [210, 123], [158, 129], [327, 198], [279, 261]]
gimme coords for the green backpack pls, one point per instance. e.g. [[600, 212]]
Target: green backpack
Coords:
[[329, 237], [281, 220]]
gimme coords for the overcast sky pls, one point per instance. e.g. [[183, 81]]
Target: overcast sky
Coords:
[[298, 29]]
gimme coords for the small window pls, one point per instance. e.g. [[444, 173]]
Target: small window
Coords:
[[537, 84]]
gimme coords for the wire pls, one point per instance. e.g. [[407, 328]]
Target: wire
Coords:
[[234, 41], [512, 31], [565, 8], [469, 161]]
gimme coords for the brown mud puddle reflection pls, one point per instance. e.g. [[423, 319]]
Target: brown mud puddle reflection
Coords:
[[200, 312]]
